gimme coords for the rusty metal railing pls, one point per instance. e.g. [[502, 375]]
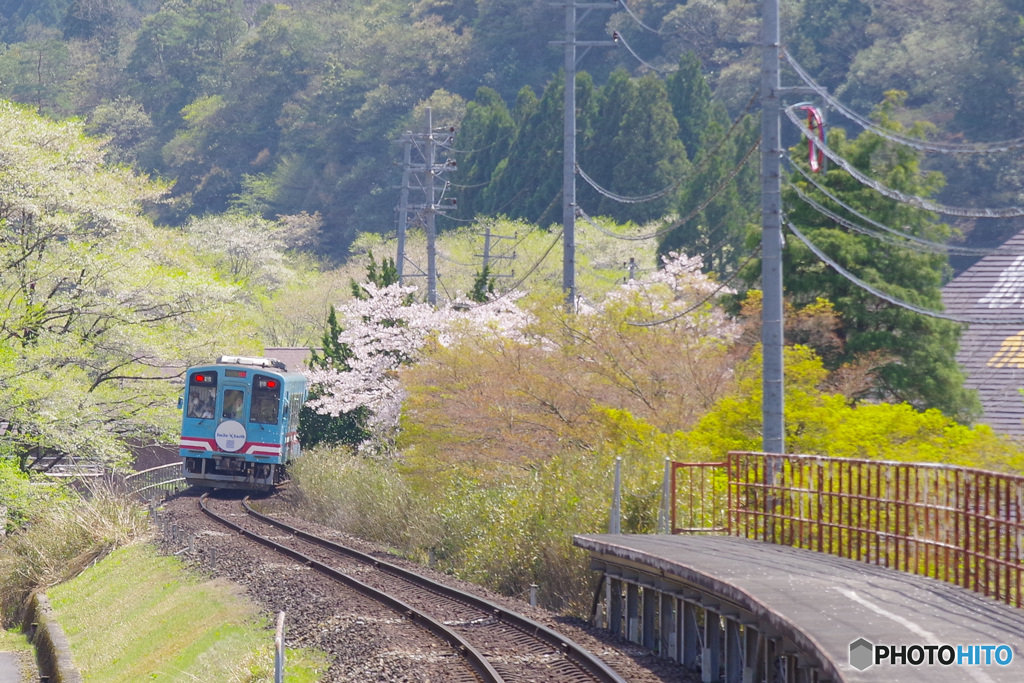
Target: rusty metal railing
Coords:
[[960, 525], [700, 497]]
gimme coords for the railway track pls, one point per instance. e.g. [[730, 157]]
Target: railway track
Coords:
[[496, 644]]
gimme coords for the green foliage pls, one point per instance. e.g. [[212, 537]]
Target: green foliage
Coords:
[[485, 134], [823, 423], [509, 535], [290, 107], [918, 352], [17, 495], [65, 532], [378, 503], [528, 182], [602, 260], [97, 298], [316, 428], [719, 204], [691, 99], [483, 286], [383, 274], [647, 155], [831, 31]]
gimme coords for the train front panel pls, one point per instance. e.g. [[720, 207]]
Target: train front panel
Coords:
[[239, 424]]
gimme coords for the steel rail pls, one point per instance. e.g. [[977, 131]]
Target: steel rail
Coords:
[[575, 653], [476, 661]]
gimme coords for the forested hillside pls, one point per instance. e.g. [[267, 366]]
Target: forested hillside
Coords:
[[285, 115], [289, 107]]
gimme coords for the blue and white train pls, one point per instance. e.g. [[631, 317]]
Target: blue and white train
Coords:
[[239, 423]]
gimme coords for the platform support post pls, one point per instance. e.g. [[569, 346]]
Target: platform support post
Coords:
[[667, 634], [614, 606], [633, 613], [733, 652], [770, 659], [649, 614], [689, 639], [710, 665], [752, 644]]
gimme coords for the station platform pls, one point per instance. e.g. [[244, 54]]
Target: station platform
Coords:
[[811, 605]]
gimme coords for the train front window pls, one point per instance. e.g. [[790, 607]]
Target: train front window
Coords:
[[202, 395], [234, 399], [266, 400]]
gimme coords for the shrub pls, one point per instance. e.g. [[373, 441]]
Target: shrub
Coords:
[[360, 496], [64, 532]]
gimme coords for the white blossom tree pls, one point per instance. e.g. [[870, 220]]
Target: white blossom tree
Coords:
[[98, 304], [386, 330], [605, 348]]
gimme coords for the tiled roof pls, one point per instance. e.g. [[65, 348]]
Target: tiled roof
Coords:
[[992, 355]]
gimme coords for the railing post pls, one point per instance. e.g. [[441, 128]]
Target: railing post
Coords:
[[664, 516], [279, 650], [674, 488], [615, 519]]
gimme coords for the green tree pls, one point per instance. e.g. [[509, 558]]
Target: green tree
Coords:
[[180, 50], [597, 154], [646, 154], [825, 423], [483, 286], [720, 205], [692, 104], [484, 135], [21, 15], [37, 72], [917, 352], [719, 210], [95, 312], [830, 31], [528, 182], [347, 428], [381, 274]]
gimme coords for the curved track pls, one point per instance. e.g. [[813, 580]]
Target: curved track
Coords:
[[517, 648]]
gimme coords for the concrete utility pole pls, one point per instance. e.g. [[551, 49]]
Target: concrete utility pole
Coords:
[[424, 177], [488, 256], [403, 205], [569, 133], [773, 430], [431, 213]]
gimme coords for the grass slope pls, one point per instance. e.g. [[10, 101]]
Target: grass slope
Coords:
[[137, 616]]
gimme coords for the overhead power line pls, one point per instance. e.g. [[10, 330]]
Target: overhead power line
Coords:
[[699, 304], [619, 38], [529, 272], [925, 245], [637, 19], [690, 216], [888, 297], [912, 200], [705, 160], [915, 143]]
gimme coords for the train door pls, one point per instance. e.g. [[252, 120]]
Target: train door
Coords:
[[231, 434]]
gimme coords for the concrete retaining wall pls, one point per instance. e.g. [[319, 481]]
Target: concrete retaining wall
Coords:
[[53, 653]]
